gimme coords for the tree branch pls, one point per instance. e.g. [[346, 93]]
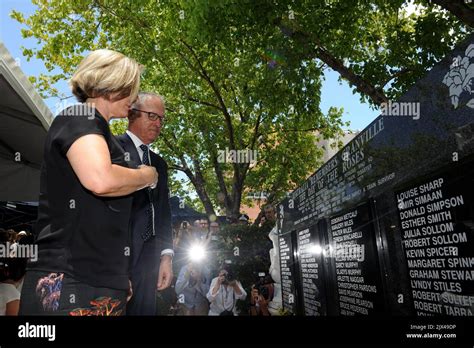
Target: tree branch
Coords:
[[459, 9], [205, 75], [396, 74], [295, 130], [176, 167], [237, 103], [202, 102], [200, 188], [220, 180], [237, 177], [196, 179], [255, 131], [317, 50]]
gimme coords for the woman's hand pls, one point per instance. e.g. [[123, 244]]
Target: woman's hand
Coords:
[[150, 174]]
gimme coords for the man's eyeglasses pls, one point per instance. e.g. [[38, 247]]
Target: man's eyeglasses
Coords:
[[152, 116]]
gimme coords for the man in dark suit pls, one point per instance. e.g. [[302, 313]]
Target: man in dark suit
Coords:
[[150, 222]]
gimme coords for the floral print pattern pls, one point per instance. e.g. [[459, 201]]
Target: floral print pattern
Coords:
[[102, 306], [48, 290]]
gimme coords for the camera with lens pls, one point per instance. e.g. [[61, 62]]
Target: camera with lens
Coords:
[[261, 287], [262, 290], [229, 277]]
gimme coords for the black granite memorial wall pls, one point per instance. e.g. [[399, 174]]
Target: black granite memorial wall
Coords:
[[358, 280], [288, 268], [312, 277], [386, 226]]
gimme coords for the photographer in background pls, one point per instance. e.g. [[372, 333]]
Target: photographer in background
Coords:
[[261, 295], [224, 292], [191, 288]]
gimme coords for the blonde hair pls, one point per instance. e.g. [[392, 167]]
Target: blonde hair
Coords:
[[103, 73]]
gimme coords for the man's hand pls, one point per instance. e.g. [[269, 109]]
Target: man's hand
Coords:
[[235, 284], [194, 277], [195, 274], [263, 304], [254, 296], [165, 275], [221, 279]]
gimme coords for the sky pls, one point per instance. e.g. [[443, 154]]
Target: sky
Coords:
[[10, 35], [334, 93]]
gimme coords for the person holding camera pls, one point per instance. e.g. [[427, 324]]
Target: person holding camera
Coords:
[[261, 295], [258, 304], [191, 288], [223, 294]]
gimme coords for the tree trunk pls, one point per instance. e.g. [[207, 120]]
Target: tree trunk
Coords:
[[196, 179], [199, 184], [236, 194], [220, 179]]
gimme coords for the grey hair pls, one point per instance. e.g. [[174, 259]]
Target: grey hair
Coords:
[[142, 97]]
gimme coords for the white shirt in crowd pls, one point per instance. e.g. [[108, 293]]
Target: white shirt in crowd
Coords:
[[225, 298], [8, 293]]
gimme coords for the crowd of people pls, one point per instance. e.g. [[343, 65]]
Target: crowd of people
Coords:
[[198, 294], [198, 290]]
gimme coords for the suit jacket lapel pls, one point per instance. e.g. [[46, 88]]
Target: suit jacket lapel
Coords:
[[129, 147]]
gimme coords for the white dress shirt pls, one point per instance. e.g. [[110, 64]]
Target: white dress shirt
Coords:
[[137, 142], [225, 298]]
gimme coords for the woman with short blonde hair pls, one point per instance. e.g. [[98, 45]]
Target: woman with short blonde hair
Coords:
[[85, 202], [106, 73]]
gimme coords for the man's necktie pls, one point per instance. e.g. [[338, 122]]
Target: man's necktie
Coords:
[[150, 226]]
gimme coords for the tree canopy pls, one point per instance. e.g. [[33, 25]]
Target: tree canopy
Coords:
[[246, 75]]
